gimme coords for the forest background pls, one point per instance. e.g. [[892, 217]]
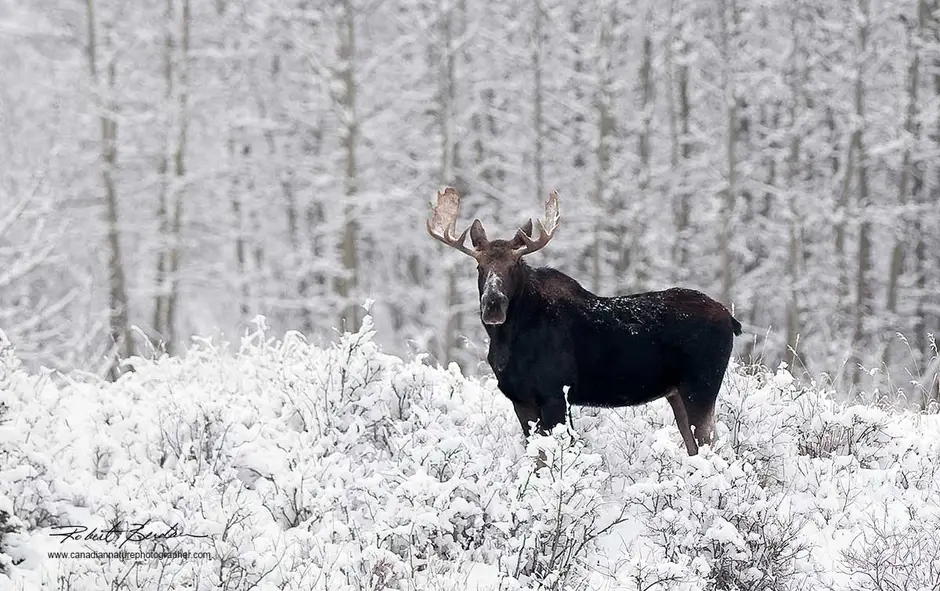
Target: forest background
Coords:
[[171, 167]]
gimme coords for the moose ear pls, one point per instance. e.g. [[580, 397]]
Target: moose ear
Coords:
[[527, 227], [518, 241], [477, 235]]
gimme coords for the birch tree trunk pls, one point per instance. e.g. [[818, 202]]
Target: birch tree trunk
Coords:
[[235, 202], [158, 322], [924, 324], [681, 144], [577, 25], [863, 292], [908, 183], [630, 242], [646, 104], [179, 172], [346, 285], [119, 326], [314, 283], [605, 130], [447, 122], [538, 156], [731, 126], [794, 230]]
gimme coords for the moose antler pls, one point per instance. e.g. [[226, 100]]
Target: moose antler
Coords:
[[442, 224], [546, 228]]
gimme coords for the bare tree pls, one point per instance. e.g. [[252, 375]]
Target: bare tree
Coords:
[[863, 288], [450, 155], [170, 205], [347, 100], [537, 98], [630, 252], [729, 193], [119, 331], [676, 55], [796, 76], [910, 182], [158, 322], [927, 308], [605, 131]]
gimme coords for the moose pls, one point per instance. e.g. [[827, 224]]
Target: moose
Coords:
[[546, 332]]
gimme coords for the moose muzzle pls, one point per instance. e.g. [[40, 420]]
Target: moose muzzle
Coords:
[[493, 310], [493, 302]]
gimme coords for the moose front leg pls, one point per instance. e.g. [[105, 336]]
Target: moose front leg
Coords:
[[546, 416], [553, 414], [527, 414]]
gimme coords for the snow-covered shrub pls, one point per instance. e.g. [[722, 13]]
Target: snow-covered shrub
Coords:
[[18, 556], [290, 466], [16, 551], [558, 511], [898, 548], [739, 534], [13, 541]]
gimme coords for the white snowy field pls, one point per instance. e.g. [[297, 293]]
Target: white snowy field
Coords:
[[279, 465]]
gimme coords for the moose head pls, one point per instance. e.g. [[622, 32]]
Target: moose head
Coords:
[[498, 261]]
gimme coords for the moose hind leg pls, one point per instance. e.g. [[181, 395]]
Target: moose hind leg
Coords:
[[699, 398], [702, 417], [682, 421], [700, 392]]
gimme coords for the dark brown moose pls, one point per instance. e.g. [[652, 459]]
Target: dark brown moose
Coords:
[[547, 332]]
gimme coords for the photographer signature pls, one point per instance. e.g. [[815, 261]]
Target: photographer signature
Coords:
[[133, 532]]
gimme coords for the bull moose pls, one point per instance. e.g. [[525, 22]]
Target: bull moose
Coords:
[[546, 332]]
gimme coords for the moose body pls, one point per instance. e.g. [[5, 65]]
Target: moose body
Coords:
[[548, 332], [610, 352]]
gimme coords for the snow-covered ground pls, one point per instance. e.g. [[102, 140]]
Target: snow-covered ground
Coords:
[[279, 465]]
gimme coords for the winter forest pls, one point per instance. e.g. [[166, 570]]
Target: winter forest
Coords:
[[173, 168]]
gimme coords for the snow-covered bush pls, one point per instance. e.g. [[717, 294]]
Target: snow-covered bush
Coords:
[[558, 511], [14, 543], [15, 550], [281, 465], [898, 548]]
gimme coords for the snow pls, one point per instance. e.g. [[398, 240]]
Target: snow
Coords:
[[297, 467]]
